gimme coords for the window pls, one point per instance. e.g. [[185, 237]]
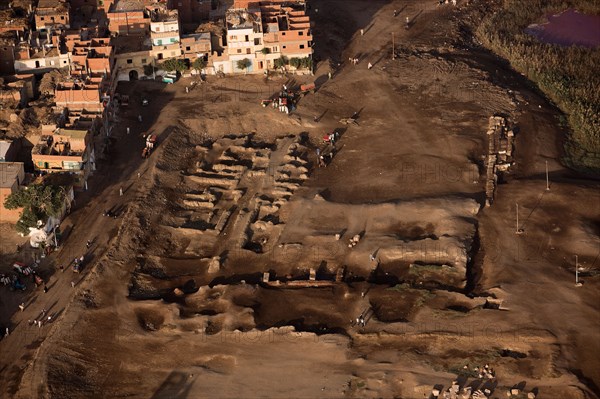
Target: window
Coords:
[[41, 18], [158, 28], [246, 38], [302, 46], [283, 46], [233, 37], [275, 49], [300, 33], [187, 48], [257, 42], [64, 61], [247, 51], [239, 51], [283, 33], [71, 165], [130, 61], [159, 42], [143, 61], [62, 17]]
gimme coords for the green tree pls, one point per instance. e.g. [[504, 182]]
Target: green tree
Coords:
[[149, 69], [265, 51], [199, 64], [295, 62], [38, 201], [244, 64], [281, 62], [173, 65]]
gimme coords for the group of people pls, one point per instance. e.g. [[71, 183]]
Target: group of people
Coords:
[[42, 319], [360, 321], [322, 157], [78, 263]]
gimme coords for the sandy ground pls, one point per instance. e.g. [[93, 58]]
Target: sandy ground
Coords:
[[233, 191]]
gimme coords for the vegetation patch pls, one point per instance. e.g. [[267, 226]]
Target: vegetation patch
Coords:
[[39, 202], [567, 75]]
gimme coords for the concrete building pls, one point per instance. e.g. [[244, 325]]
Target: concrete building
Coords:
[[128, 19], [286, 29], [164, 34], [263, 32], [131, 55], [243, 41], [66, 151], [12, 178], [197, 45], [51, 15]]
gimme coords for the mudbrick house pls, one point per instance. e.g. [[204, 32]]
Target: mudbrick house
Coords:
[[12, 176], [69, 151]]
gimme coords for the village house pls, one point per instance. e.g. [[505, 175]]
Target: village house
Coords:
[[287, 30], [197, 45], [51, 15], [164, 34], [68, 151], [128, 18], [12, 177], [92, 78], [243, 41], [261, 32], [38, 54], [132, 56]]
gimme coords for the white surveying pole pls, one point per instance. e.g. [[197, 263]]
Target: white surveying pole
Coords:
[[547, 180], [393, 48]]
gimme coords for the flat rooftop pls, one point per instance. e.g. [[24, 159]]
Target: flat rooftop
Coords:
[[130, 44], [9, 172]]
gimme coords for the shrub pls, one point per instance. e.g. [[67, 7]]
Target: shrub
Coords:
[[567, 75]]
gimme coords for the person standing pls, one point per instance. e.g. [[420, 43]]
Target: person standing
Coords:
[[121, 192], [22, 306]]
